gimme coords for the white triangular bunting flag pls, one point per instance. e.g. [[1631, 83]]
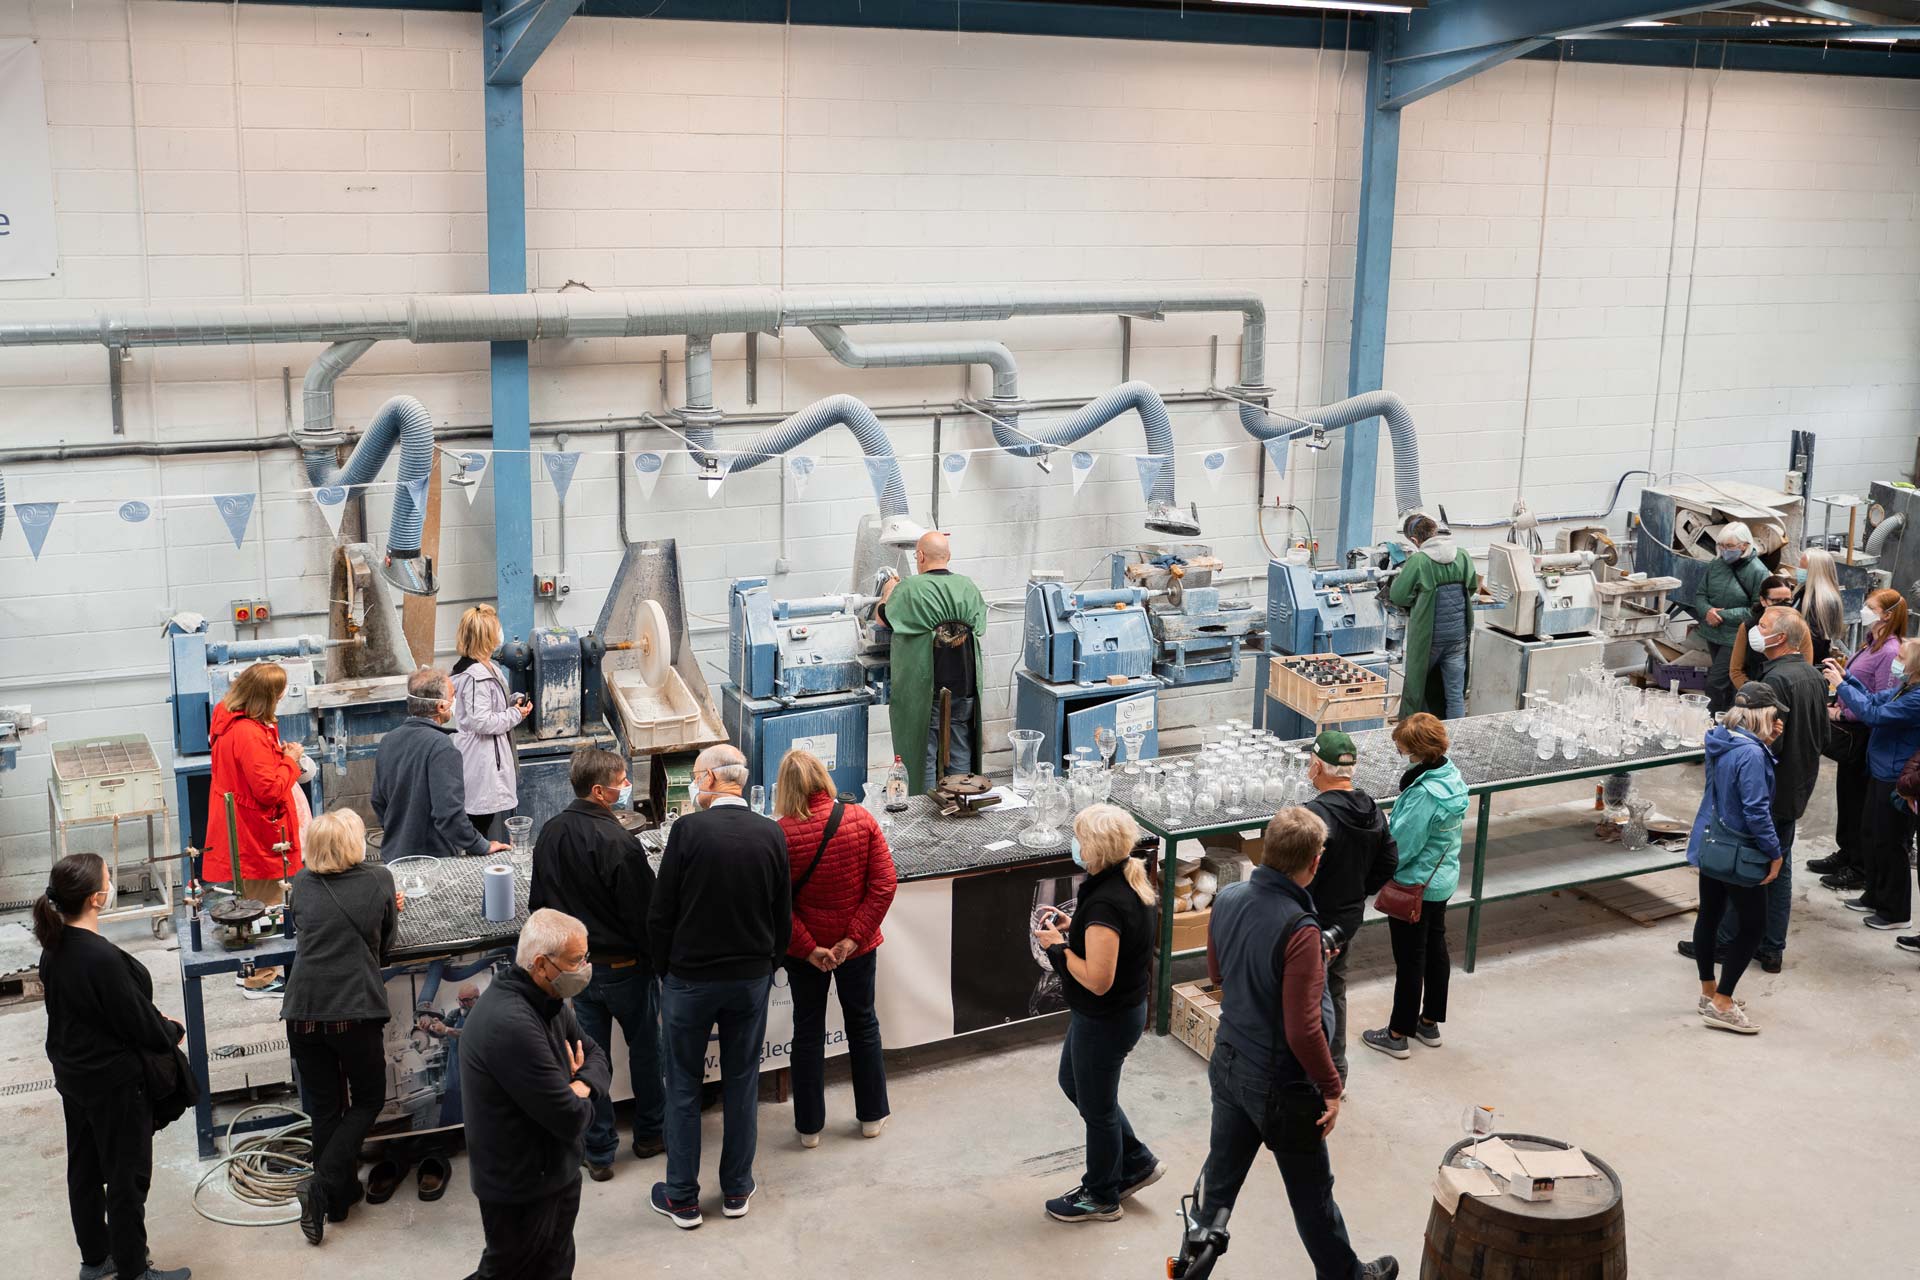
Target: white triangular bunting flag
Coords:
[[416, 491], [800, 467], [1214, 467], [1149, 465], [714, 479], [474, 465], [1277, 450], [646, 472], [35, 519], [560, 469], [332, 501], [1082, 468], [236, 509], [953, 470]]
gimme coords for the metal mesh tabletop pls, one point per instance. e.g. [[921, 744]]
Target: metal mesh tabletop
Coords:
[[449, 914]]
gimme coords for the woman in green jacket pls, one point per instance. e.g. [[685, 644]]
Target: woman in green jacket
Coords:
[[1426, 827], [1724, 605]]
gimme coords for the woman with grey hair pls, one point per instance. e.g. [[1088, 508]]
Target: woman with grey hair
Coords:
[[1724, 605]]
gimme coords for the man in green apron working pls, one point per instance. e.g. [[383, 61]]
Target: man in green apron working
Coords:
[[1436, 588], [938, 619]]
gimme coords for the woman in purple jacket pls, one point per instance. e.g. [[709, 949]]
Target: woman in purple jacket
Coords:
[[1885, 619], [1886, 823]]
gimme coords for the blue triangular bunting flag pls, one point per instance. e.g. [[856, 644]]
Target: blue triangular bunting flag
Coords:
[[236, 510], [35, 519]]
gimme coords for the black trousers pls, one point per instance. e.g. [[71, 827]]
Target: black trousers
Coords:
[[1850, 779], [483, 822], [109, 1168], [808, 986], [1749, 906], [1421, 969], [1886, 832], [532, 1241], [343, 1083], [1720, 688]]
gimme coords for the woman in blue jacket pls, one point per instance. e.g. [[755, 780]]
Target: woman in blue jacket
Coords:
[[1886, 824], [1739, 791], [1426, 828]]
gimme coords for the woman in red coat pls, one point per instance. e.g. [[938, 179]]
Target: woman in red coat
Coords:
[[841, 892], [251, 763]]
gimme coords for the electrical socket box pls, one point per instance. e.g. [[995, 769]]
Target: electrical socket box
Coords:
[[551, 587], [249, 612]]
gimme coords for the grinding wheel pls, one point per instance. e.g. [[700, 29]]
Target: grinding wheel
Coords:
[[653, 641]]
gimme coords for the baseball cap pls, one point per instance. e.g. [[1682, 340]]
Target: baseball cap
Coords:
[[1757, 694], [1335, 747]]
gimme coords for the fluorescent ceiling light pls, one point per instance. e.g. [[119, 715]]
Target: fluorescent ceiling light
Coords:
[[1357, 6]]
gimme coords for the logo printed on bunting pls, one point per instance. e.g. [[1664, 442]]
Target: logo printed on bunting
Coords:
[[953, 470], [35, 519], [878, 472], [646, 470], [560, 469], [1082, 468], [1277, 450], [332, 501], [135, 512], [473, 465], [1214, 467], [236, 509], [800, 467], [1149, 466]]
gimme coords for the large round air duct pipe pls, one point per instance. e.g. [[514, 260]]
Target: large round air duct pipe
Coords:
[[1262, 425], [1884, 532], [1163, 515], [406, 422]]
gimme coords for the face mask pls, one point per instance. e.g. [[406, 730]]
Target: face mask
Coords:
[[624, 795], [1731, 554], [1868, 618], [568, 983], [1898, 671], [1073, 846], [113, 896], [1756, 639]]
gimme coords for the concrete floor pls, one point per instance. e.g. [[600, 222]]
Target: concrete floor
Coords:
[[1767, 1156]]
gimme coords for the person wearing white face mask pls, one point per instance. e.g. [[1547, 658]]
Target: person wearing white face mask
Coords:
[[1724, 605], [587, 865], [720, 921], [1886, 826], [1884, 620]]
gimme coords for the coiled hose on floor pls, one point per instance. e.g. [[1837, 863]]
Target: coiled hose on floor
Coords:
[[262, 1169]]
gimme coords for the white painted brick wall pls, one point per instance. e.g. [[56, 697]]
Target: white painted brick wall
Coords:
[[216, 153]]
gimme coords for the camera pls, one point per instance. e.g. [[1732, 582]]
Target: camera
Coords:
[[1333, 939]]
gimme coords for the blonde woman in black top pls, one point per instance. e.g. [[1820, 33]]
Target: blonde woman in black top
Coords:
[[100, 1024]]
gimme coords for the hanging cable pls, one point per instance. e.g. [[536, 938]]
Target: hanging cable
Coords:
[[1539, 269], [1693, 259], [261, 1169], [1673, 245]]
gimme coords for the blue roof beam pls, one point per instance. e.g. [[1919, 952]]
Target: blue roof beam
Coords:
[[1835, 12], [1794, 33], [520, 33]]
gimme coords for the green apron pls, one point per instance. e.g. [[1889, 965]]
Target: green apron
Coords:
[[918, 605], [1415, 590]]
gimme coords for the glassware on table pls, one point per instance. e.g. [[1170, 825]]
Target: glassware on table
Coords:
[[1106, 741], [1543, 746], [1134, 737], [1026, 757], [757, 799], [1634, 834], [1206, 797], [520, 835], [1050, 802]]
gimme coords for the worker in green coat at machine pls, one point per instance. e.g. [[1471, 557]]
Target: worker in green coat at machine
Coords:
[[938, 620], [1724, 605], [1436, 587]]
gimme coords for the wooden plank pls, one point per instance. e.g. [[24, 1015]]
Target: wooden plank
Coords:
[[1649, 898], [418, 613]]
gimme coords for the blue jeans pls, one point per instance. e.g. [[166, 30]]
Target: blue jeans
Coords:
[[1239, 1109], [855, 981], [1090, 1060], [1779, 901], [629, 996], [1450, 658], [959, 739], [689, 1011]]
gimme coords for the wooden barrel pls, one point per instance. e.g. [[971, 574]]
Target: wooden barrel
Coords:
[[1580, 1234]]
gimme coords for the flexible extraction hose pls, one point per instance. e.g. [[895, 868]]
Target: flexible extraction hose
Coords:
[[834, 411], [1261, 425], [1877, 541], [1140, 397], [262, 1169], [405, 421]]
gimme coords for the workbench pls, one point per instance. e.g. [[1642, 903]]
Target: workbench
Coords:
[[1492, 757]]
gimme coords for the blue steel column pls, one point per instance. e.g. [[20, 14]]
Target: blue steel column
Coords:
[[1372, 267]]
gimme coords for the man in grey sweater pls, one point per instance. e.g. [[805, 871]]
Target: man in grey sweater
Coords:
[[419, 790]]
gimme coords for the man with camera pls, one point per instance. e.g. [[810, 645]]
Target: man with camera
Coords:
[[1360, 858], [1274, 1082]]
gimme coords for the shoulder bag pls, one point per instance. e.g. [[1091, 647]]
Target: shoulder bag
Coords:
[[833, 825], [1403, 902]]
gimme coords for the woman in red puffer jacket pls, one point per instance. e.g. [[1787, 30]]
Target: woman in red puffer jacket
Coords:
[[251, 763], [841, 892]]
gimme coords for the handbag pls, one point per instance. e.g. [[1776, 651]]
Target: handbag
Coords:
[[833, 825], [1403, 902]]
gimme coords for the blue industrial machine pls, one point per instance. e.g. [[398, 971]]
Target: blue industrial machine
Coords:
[[1313, 610], [1088, 663], [1197, 633], [559, 669]]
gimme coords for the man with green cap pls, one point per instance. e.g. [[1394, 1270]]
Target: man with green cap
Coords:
[[1359, 858], [938, 619]]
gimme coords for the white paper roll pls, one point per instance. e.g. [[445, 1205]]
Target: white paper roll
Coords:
[[497, 893]]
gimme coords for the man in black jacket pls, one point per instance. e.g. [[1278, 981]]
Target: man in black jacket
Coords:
[[721, 917], [529, 1077], [419, 789], [587, 865], [1360, 858]]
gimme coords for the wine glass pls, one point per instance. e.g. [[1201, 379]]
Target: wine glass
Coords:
[[1106, 740]]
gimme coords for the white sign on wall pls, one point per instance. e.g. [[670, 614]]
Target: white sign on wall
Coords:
[[27, 247]]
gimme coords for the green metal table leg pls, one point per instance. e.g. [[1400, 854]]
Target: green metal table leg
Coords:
[[1479, 878], [1163, 982]]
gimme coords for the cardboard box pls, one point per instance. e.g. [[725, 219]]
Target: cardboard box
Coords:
[[1195, 1015], [1190, 929]]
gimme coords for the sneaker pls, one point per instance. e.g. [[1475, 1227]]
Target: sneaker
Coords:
[[1770, 961], [313, 1209], [1428, 1033], [809, 1140], [1078, 1206], [736, 1206], [1732, 1019], [1878, 921], [99, 1271], [1131, 1187], [1386, 1042], [1859, 904], [874, 1128], [600, 1172], [154, 1273], [271, 991], [648, 1148], [1911, 942], [1848, 881], [1827, 866], [684, 1216], [1387, 1268], [1706, 1003]]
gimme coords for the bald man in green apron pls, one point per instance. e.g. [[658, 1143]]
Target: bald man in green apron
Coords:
[[938, 620]]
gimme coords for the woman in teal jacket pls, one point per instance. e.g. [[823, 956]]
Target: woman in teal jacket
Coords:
[[1724, 605], [1426, 827]]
